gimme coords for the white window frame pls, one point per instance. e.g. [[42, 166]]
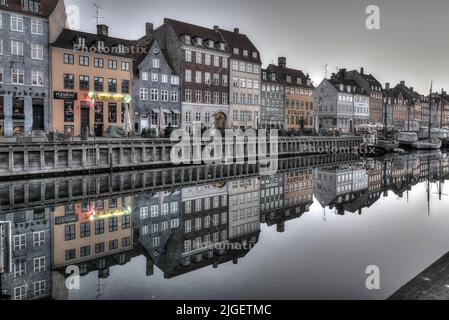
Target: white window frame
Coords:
[[16, 23], [39, 239], [20, 292], [37, 27], [144, 94], [37, 52], [41, 264], [38, 77], [39, 288], [18, 47]]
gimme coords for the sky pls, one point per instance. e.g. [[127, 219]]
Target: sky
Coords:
[[411, 44]]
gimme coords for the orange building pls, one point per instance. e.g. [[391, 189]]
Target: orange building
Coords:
[[91, 83]]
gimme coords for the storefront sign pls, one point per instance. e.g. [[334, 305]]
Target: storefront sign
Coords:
[[110, 97], [64, 95], [66, 219]]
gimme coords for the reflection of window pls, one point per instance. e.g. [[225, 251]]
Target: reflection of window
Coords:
[[99, 112], [68, 111], [112, 115], [2, 106]]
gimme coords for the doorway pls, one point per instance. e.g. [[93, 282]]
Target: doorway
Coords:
[[38, 115], [85, 121]]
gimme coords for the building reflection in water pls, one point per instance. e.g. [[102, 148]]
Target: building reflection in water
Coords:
[[185, 229]]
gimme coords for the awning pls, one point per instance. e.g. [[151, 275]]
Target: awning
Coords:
[[176, 111], [155, 110], [166, 111]]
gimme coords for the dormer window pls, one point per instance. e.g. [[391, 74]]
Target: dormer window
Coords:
[[100, 45], [199, 41], [222, 46], [187, 39], [81, 42], [309, 82], [120, 48], [245, 53], [273, 77], [236, 51], [211, 44], [255, 55], [298, 81], [264, 75], [289, 79], [31, 5]]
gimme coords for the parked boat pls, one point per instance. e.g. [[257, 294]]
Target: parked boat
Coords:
[[438, 133], [407, 139], [428, 144]]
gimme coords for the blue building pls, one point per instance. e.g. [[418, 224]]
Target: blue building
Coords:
[[26, 29], [156, 86]]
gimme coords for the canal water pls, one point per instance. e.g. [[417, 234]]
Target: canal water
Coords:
[[309, 233]]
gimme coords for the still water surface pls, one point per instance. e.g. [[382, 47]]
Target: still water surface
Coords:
[[303, 234]]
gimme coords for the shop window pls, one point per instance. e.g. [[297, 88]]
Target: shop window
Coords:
[[2, 107], [99, 112], [18, 107], [68, 111], [112, 113]]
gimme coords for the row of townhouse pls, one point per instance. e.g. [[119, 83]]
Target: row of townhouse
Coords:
[[351, 98], [53, 79]]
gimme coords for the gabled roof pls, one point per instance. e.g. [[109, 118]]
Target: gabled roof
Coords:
[[184, 28], [67, 37], [242, 42], [46, 7], [337, 82], [282, 74]]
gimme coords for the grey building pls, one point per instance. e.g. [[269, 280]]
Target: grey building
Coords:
[[272, 102], [31, 274], [156, 88], [26, 29]]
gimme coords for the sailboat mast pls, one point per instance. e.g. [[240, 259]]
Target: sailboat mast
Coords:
[[430, 108]]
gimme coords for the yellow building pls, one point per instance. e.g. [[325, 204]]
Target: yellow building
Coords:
[[91, 82], [90, 230]]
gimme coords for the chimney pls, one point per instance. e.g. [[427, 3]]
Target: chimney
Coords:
[[102, 30], [387, 86], [216, 29], [402, 83], [362, 70], [342, 73], [411, 89], [237, 31], [149, 30], [282, 62]]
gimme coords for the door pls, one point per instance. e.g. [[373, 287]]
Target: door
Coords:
[[85, 123], [38, 117]]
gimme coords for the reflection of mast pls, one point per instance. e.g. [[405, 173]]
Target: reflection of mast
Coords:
[[428, 186]]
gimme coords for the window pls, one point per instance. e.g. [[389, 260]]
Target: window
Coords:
[[224, 62], [98, 62], [236, 51], [188, 56], [19, 268], [37, 78], [69, 232], [175, 80], [225, 98], [224, 80], [188, 95], [16, 48], [198, 57], [156, 63], [39, 264], [112, 64], [143, 94], [188, 75], [99, 247], [84, 83], [113, 244], [113, 224], [39, 288], [207, 97], [164, 78], [156, 242], [99, 227], [39, 239], [85, 251], [207, 59], [125, 86], [98, 84], [68, 58], [37, 27], [68, 111], [20, 293], [154, 94], [126, 242], [144, 76], [85, 230], [174, 96], [84, 61], [126, 222], [216, 61], [164, 95], [125, 66], [188, 226], [112, 85], [112, 115], [198, 77], [198, 96], [174, 223], [16, 23], [69, 81], [31, 5], [70, 254]]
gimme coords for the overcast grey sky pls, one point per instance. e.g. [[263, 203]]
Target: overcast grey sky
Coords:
[[411, 45]]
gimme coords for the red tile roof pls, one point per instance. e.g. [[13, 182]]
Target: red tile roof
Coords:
[[242, 42]]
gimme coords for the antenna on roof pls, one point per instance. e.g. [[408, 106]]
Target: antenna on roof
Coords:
[[325, 70], [97, 16]]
